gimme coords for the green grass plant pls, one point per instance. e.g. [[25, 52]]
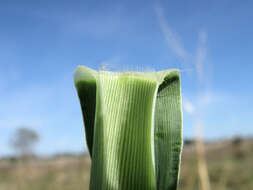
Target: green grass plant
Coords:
[[133, 125]]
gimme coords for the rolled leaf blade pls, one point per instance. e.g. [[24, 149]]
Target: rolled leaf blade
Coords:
[[85, 83], [168, 131], [133, 128]]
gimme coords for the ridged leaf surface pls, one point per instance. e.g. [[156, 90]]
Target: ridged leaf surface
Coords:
[[133, 126], [168, 132]]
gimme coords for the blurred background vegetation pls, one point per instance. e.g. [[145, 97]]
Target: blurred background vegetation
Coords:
[[229, 164]]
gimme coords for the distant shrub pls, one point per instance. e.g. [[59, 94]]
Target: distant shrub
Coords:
[[237, 141], [188, 142], [237, 147]]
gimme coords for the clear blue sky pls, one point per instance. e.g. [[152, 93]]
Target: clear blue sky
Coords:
[[42, 42]]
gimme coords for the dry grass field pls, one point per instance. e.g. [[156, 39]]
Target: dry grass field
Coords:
[[229, 167]]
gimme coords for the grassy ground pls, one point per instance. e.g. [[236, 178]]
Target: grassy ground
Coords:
[[229, 166]]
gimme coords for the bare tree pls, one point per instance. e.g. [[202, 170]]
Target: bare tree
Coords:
[[24, 140]]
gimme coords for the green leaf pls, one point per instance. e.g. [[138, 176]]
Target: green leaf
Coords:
[[85, 82], [122, 157], [168, 132], [133, 128]]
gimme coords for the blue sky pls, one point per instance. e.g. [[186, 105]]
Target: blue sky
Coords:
[[42, 42]]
